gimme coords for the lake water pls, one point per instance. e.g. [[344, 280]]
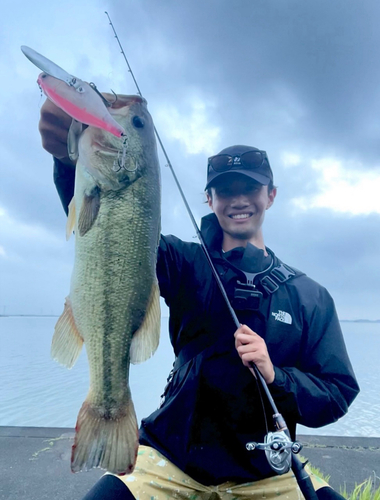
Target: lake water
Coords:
[[36, 391]]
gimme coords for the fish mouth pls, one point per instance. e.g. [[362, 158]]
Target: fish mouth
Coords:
[[105, 149]]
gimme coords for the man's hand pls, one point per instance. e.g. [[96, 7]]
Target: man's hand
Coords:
[[54, 126], [251, 347]]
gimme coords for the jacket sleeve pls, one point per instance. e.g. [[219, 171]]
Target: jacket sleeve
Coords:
[[172, 253], [320, 390]]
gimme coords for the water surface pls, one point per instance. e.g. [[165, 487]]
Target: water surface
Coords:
[[36, 391]]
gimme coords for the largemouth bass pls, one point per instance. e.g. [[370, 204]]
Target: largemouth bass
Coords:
[[113, 306]]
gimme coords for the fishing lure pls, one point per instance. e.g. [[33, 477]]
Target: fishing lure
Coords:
[[80, 100]]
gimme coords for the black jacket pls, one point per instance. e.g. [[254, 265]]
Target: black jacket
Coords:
[[212, 405]]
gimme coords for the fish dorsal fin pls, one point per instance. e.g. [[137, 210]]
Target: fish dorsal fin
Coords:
[[145, 340], [67, 341], [89, 211], [70, 224]]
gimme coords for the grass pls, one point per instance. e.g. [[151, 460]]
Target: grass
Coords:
[[363, 491]]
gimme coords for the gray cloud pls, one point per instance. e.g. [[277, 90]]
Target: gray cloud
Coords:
[[259, 58], [298, 76]]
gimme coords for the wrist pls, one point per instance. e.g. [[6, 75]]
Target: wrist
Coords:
[[271, 378]]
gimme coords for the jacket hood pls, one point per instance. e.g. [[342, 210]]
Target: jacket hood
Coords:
[[212, 233]]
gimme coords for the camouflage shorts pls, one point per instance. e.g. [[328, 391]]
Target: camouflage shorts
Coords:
[[155, 478]]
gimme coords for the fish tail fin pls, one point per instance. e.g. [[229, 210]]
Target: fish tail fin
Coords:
[[145, 340], [109, 443], [67, 341]]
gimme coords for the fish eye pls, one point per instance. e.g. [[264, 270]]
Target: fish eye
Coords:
[[138, 122]]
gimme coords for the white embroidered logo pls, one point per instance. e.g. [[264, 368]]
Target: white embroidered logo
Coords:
[[282, 316]]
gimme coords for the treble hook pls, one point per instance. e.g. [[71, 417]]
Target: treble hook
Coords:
[[105, 102], [132, 169], [120, 161], [113, 102]]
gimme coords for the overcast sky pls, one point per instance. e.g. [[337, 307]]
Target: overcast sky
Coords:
[[299, 79]]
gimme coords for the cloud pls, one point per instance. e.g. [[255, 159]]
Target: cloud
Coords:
[[290, 159], [351, 190], [299, 80], [193, 128]]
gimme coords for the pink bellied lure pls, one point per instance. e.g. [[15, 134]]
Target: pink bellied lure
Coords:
[[78, 99]]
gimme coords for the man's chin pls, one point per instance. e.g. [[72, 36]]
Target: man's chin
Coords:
[[241, 235]]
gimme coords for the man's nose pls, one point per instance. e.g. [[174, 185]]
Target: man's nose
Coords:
[[239, 200]]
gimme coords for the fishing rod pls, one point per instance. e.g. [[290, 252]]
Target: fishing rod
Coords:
[[279, 449]]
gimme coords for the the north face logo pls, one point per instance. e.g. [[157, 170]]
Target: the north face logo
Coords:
[[282, 316]]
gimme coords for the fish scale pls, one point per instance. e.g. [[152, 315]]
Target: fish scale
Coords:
[[117, 275]]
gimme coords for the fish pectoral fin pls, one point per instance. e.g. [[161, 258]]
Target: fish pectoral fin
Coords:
[[67, 341], [89, 211], [145, 340], [70, 224]]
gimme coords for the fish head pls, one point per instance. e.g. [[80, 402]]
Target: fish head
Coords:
[[113, 161]]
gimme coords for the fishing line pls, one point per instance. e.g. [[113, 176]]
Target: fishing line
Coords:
[[199, 234], [301, 475]]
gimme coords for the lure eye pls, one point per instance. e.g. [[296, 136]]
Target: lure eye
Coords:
[[138, 122]]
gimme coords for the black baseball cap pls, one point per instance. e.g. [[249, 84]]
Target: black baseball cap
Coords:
[[245, 160]]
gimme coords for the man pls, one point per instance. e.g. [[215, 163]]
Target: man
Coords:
[[193, 446]]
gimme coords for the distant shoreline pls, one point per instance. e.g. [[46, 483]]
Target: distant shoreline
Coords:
[[57, 316], [29, 315], [359, 320]]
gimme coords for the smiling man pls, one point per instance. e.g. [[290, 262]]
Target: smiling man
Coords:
[[194, 445], [239, 191], [239, 195]]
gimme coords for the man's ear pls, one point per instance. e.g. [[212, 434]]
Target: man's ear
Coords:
[[209, 201], [271, 197]]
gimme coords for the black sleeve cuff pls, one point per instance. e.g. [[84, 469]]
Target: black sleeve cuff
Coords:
[[64, 180], [278, 384]]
